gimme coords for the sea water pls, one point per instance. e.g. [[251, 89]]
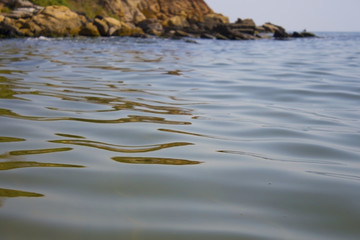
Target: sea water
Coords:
[[123, 138]]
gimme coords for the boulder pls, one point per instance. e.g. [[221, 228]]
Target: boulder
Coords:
[[260, 29], [181, 34], [58, 21], [231, 31], [176, 22], [219, 36], [9, 28], [151, 26], [207, 36], [308, 34], [216, 17], [269, 27], [278, 31], [101, 26], [211, 20], [22, 13], [281, 34], [128, 29], [89, 30], [303, 34], [18, 3], [107, 26], [245, 23]]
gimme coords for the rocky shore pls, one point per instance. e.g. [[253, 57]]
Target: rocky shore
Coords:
[[136, 18]]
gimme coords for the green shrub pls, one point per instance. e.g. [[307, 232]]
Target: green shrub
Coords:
[[45, 3], [5, 10]]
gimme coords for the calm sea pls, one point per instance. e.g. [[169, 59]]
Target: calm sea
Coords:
[[152, 139]]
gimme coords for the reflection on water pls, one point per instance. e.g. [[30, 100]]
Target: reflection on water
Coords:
[[120, 148], [34, 151], [10, 193], [159, 139], [10, 139], [150, 160], [183, 132], [14, 165], [129, 119]]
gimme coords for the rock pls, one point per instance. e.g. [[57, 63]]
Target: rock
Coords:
[[8, 28], [216, 17], [112, 22], [112, 25], [178, 34], [151, 26], [22, 13], [89, 30], [281, 34], [109, 26], [231, 31], [278, 31], [31, 29], [260, 29], [101, 26], [264, 35], [308, 34], [221, 37], [128, 29], [18, 3], [58, 21], [269, 27], [181, 34], [211, 20], [238, 28], [171, 14], [246, 23], [246, 26], [165, 9], [303, 34], [125, 10], [177, 22], [207, 36]]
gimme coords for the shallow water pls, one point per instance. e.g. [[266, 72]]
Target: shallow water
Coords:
[[120, 138]]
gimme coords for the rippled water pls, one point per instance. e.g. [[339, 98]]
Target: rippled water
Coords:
[[120, 138]]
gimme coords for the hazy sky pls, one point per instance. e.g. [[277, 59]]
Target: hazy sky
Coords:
[[295, 15]]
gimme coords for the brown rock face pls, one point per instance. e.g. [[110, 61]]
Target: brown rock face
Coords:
[[139, 10], [169, 8]]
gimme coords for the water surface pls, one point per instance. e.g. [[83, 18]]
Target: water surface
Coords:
[[121, 138]]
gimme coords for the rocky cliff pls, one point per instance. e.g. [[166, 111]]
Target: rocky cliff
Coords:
[[141, 18], [138, 10]]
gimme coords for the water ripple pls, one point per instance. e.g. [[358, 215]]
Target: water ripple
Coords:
[[121, 138]]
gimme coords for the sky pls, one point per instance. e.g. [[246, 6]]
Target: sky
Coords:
[[294, 15]]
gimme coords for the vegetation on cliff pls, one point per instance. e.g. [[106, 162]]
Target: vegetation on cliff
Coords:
[[45, 3]]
